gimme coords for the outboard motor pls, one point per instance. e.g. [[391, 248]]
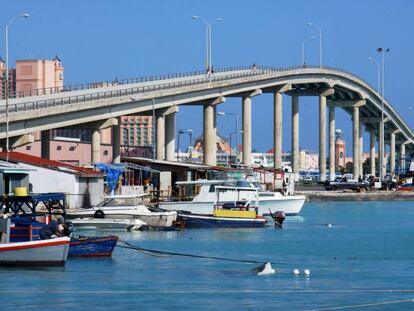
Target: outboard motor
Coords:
[[279, 217]]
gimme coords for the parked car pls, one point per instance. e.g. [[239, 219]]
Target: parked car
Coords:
[[345, 183]]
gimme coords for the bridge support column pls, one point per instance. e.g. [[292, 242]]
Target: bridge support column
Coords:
[[45, 144], [355, 136], [381, 157], [210, 134], [160, 136], [295, 136], [116, 142], [96, 128], [392, 153], [169, 136], [247, 130], [322, 137], [96, 145], [361, 151], [277, 151], [372, 151], [402, 158], [332, 174]]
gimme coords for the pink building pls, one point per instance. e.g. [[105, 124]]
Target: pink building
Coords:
[[12, 79], [38, 74]]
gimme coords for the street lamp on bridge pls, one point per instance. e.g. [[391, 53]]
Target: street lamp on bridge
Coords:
[[7, 79], [382, 51], [303, 48], [320, 41], [208, 41], [374, 60], [183, 131]]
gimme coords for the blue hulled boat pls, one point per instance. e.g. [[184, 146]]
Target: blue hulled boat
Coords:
[[92, 246]]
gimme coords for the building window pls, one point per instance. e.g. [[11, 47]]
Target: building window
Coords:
[[72, 148], [28, 147], [59, 148], [105, 153]]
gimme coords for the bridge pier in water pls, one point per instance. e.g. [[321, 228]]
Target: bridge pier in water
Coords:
[[332, 174]]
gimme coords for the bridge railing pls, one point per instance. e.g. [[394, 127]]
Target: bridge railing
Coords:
[[106, 83], [233, 73], [198, 77]]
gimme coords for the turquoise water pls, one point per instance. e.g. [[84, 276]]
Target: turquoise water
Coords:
[[365, 259]]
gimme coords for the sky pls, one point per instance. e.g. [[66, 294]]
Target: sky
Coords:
[[103, 40]]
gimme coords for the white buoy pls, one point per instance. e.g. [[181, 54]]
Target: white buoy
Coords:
[[306, 272], [266, 269], [296, 272]]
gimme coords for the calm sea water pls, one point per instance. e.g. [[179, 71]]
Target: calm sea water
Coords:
[[365, 260]]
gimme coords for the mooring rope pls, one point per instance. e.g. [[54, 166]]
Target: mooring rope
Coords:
[[158, 253], [371, 304]]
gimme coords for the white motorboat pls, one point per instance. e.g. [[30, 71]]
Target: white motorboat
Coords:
[[202, 202], [91, 223], [51, 252], [126, 207]]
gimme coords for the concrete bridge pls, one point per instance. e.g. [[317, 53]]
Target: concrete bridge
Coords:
[[100, 107]]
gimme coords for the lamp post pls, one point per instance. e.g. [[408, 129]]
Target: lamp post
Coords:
[[221, 113], [235, 132], [208, 41], [183, 131], [382, 51], [374, 60], [320, 41], [303, 49], [7, 79]]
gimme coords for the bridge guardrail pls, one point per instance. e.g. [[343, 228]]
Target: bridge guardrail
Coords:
[[204, 78]]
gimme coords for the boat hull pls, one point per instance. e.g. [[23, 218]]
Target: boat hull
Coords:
[[53, 252], [106, 224], [291, 206], [153, 219], [207, 221], [92, 246]]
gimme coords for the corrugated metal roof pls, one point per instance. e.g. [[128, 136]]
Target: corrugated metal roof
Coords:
[[50, 164]]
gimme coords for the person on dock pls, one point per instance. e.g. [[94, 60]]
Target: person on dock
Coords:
[[52, 230]]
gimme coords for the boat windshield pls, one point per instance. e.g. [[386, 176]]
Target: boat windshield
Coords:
[[249, 184], [109, 202]]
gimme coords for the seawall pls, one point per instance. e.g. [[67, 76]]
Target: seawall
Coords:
[[358, 196]]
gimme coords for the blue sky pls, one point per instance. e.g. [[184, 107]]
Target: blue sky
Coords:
[[101, 40]]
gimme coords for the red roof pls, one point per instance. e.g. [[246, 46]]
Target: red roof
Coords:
[[51, 164]]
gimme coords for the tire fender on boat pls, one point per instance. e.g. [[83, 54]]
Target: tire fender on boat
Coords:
[[99, 214]]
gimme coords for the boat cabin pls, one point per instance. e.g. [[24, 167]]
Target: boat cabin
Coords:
[[239, 208]]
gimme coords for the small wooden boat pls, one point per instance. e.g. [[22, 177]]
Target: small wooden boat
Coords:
[[90, 223], [92, 246], [225, 214]]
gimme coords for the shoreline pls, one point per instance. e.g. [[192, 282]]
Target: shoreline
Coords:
[[357, 196]]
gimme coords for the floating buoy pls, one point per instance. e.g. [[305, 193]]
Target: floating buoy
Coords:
[[296, 272], [265, 269], [329, 225], [306, 272]]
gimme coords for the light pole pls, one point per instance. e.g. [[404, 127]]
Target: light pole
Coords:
[[320, 41], [303, 49], [221, 113], [7, 79], [183, 131], [382, 51], [208, 41], [374, 60], [235, 132]]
